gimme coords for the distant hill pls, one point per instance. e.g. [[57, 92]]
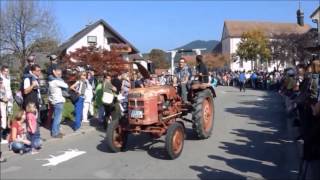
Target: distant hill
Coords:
[[209, 45]]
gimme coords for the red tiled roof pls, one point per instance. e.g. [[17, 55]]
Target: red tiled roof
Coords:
[[237, 28]]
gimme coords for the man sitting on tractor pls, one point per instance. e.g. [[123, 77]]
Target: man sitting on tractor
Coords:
[[184, 73], [202, 70]]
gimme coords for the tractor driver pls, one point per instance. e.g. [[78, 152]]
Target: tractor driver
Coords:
[[184, 73]]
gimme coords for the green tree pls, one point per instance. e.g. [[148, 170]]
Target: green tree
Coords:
[[253, 46], [158, 57], [45, 44], [291, 48]]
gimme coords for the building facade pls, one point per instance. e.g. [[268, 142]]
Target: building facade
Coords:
[[98, 34], [231, 37]]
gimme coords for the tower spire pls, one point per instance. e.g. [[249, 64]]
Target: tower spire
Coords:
[[300, 15]]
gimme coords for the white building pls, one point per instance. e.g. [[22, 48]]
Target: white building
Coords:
[[99, 34], [316, 15], [233, 30]]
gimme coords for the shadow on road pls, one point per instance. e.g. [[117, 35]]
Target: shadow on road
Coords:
[[144, 142], [154, 147], [207, 172], [261, 151]]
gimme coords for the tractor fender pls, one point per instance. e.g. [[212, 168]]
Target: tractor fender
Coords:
[[181, 124], [199, 87], [212, 91]]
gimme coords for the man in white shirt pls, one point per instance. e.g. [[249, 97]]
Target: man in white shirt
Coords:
[[6, 106], [31, 87], [57, 100]]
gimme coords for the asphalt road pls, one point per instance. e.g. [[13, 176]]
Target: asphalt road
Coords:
[[250, 140]]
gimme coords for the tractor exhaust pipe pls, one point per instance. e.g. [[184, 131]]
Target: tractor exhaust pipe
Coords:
[[171, 116]]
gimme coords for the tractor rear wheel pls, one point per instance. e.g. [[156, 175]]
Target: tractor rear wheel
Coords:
[[203, 114], [175, 140], [116, 136]]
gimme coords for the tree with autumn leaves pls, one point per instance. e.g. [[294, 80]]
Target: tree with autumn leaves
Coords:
[[210, 59], [254, 46], [100, 60]]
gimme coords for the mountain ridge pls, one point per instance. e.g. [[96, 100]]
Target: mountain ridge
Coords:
[[209, 45]]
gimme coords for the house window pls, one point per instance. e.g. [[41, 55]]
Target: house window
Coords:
[[92, 40]]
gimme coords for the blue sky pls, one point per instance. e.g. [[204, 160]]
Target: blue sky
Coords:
[[167, 24]]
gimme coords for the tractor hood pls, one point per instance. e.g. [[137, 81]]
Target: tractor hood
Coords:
[[149, 92]]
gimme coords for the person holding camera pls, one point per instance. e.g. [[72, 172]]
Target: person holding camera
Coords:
[[57, 100]]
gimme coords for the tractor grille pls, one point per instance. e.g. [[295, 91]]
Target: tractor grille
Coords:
[[133, 103]]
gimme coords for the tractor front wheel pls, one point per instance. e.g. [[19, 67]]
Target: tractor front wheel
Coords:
[[175, 140], [116, 136], [203, 114]]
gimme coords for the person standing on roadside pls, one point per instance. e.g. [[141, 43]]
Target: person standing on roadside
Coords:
[[113, 110], [31, 92], [253, 79], [6, 108], [3, 110], [50, 76], [93, 82], [116, 82], [242, 81], [30, 62], [88, 96], [57, 100], [31, 87], [98, 100], [53, 65], [79, 87], [2, 159]]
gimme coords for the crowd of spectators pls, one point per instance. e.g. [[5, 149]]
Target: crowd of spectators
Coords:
[[301, 89]]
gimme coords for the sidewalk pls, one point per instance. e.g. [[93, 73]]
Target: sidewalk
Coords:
[[65, 129]]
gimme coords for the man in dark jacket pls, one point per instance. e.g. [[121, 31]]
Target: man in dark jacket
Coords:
[[53, 65], [30, 61], [116, 82], [31, 86], [202, 70]]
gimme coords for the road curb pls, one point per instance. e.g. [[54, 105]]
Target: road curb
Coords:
[[8, 154]]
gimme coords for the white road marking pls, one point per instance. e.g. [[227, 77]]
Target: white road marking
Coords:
[[67, 155], [260, 99]]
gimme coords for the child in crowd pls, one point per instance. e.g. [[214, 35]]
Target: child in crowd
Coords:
[[18, 141], [32, 129]]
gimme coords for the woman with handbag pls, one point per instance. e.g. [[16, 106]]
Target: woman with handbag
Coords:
[[79, 87], [111, 104]]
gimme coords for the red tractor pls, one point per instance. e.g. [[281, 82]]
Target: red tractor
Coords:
[[159, 110]]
